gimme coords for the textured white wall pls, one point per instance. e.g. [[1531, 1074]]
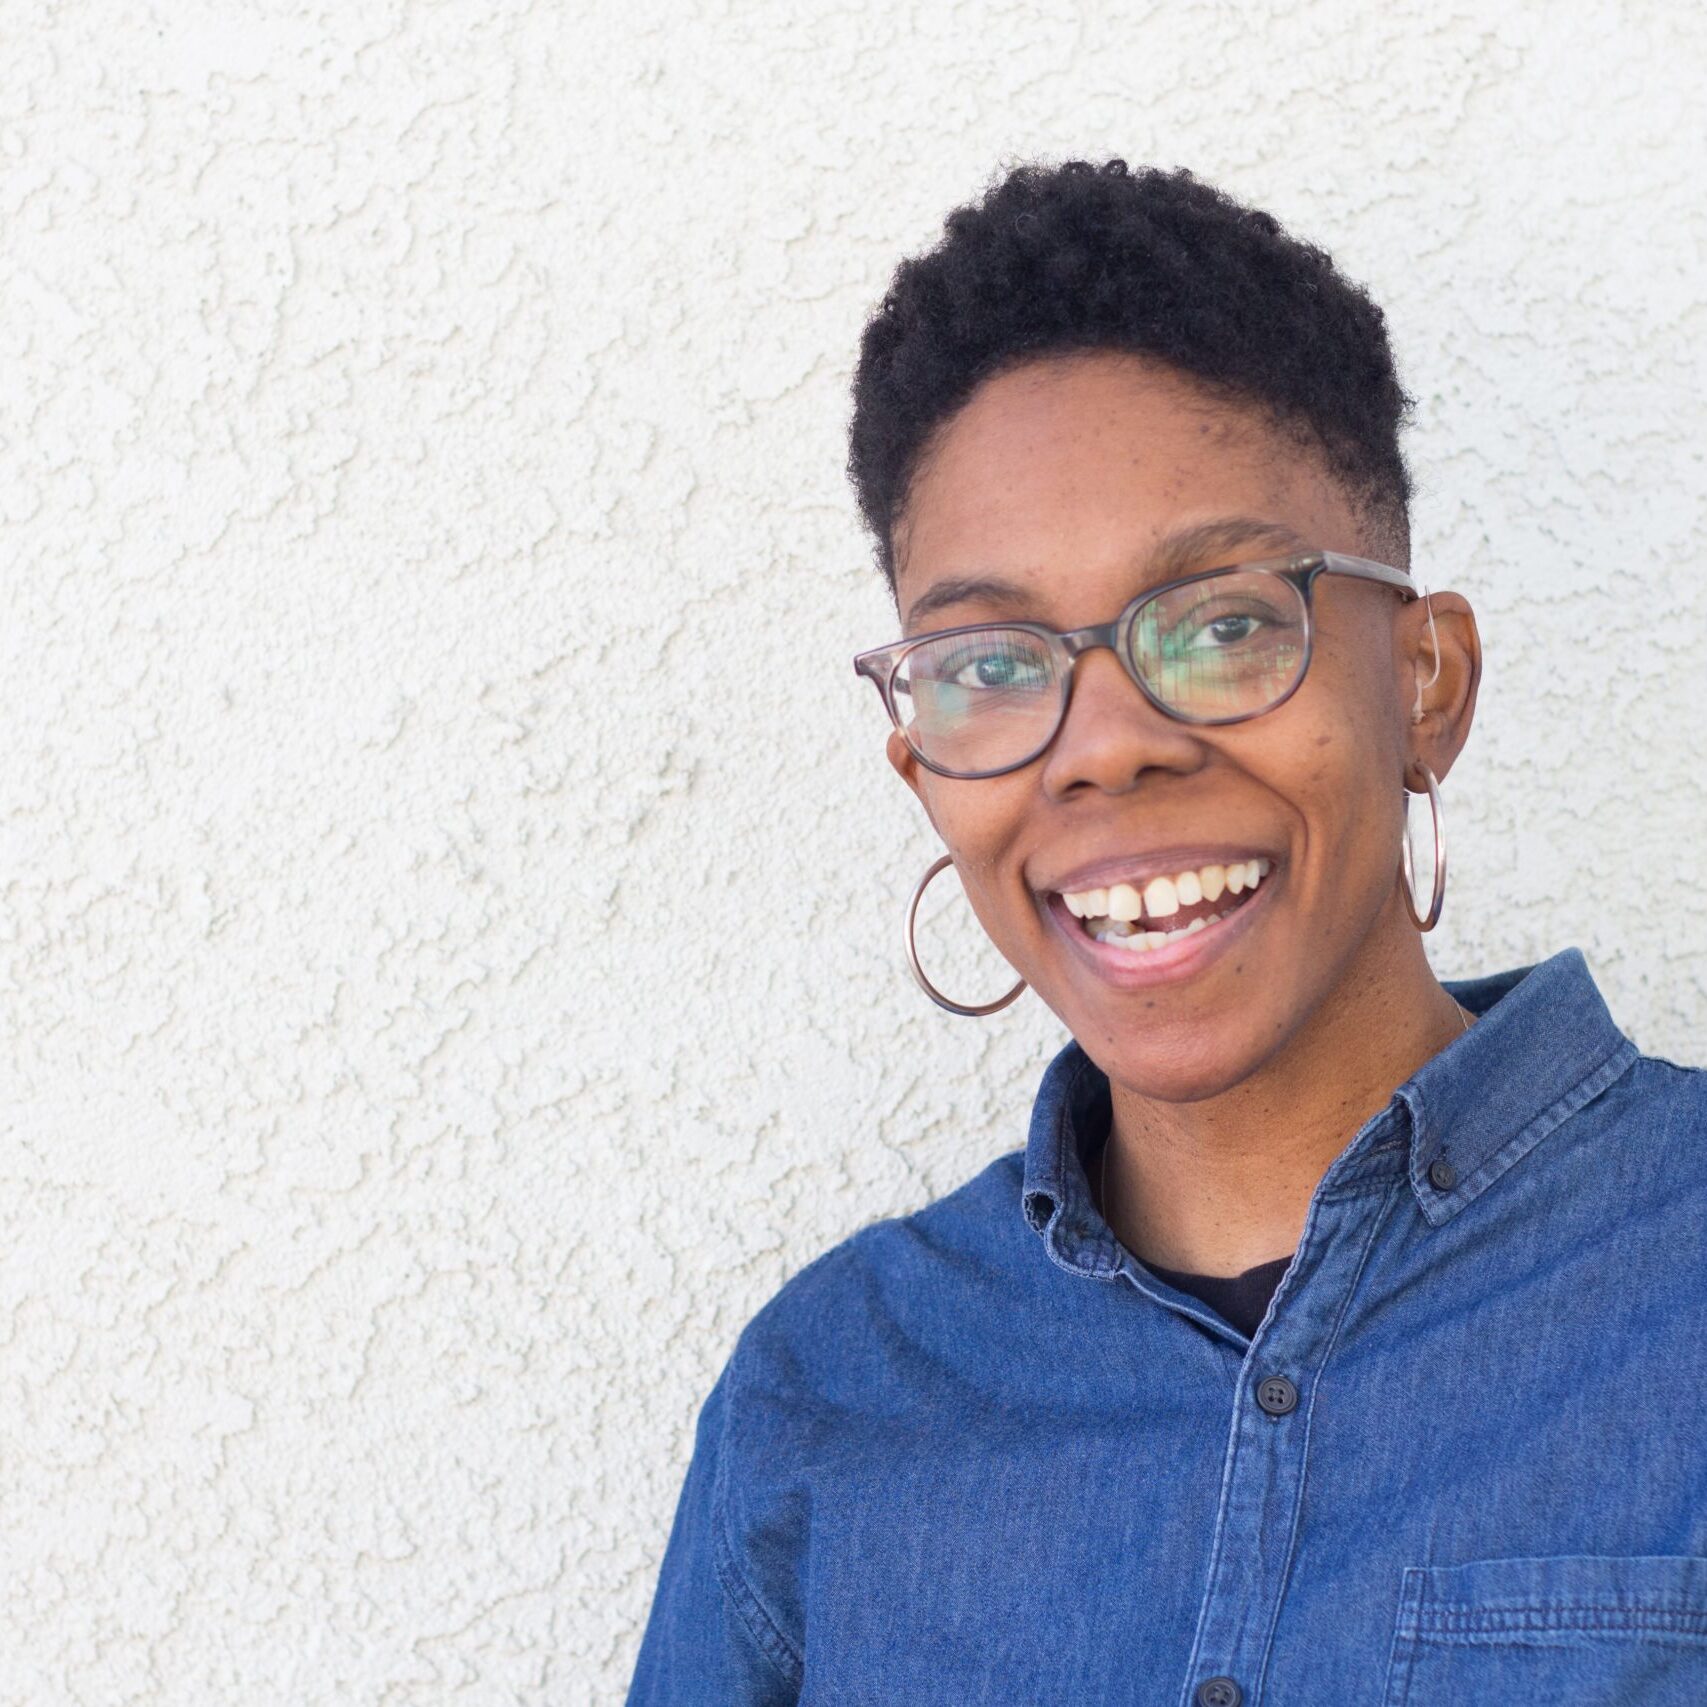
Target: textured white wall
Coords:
[[437, 1013]]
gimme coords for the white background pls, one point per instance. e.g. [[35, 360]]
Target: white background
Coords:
[[451, 881]]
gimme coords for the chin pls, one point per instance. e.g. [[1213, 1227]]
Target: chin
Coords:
[[1168, 1067]]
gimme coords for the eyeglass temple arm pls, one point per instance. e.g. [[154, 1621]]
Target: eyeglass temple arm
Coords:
[[1366, 569]]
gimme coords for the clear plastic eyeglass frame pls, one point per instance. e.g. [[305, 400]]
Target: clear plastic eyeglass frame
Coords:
[[881, 663]]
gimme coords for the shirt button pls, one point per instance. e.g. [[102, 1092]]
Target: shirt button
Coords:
[[1219, 1692], [1277, 1396], [1441, 1174]]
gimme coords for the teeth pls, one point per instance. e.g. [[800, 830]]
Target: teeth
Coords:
[[1141, 942], [1123, 902], [1162, 897]]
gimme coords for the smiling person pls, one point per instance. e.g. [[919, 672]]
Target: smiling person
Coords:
[[1334, 1334]]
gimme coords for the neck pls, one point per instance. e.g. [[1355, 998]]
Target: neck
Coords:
[[1219, 1185]]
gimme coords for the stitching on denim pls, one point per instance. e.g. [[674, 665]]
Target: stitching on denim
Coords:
[[1362, 1188], [1402, 1653], [1053, 1183], [1104, 1248], [1394, 1190], [1469, 1618], [1618, 1059], [748, 1607], [754, 1619], [1227, 1472], [1560, 1639]]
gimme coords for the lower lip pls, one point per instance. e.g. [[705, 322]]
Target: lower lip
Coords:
[[1130, 969]]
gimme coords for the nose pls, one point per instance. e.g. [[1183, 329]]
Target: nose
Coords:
[[1112, 734]]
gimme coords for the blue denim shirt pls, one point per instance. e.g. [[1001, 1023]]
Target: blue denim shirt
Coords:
[[979, 1454]]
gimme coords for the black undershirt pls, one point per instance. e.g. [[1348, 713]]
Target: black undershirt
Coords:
[[1241, 1299]]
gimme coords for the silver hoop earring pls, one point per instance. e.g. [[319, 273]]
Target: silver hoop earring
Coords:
[[925, 984], [1409, 881]]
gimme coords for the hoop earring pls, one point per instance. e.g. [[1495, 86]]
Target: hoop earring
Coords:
[[1408, 877], [925, 984]]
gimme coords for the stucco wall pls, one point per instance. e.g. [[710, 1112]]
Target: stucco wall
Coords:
[[451, 960]]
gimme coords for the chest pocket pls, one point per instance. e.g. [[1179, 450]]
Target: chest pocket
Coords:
[[1569, 1631]]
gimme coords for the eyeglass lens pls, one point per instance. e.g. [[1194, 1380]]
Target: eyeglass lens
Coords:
[[1227, 646]]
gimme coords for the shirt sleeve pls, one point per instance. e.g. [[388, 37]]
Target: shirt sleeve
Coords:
[[708, 1641]]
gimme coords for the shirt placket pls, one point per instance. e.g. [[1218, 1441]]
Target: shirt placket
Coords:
[[1276, 1395]]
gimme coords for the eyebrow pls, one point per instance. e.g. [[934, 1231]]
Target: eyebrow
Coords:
[[1176, 554]]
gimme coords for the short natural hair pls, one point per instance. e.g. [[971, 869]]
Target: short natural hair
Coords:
[[1081, 257]]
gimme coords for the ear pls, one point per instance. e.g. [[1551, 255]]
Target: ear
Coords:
[[908, 768], [1437, 735]]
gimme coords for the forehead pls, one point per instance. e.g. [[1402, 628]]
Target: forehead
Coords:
[[1078, 466]]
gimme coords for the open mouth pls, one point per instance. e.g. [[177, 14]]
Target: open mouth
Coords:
[[1167, 908]]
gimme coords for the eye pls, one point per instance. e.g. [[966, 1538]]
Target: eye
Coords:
[[989, 661], [1226, 630], [1003, 665], [1222, 624]]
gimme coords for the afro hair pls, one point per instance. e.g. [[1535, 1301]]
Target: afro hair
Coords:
[[1082, 257]]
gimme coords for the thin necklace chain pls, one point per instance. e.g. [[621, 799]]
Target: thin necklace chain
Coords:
[[1102, 1171]]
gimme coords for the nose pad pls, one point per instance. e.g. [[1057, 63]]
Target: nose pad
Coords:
[[1111, 732]]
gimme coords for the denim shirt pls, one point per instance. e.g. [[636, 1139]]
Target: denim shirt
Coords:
[[980, 1454]]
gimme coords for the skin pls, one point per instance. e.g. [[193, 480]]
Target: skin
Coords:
[[1235, 1088]]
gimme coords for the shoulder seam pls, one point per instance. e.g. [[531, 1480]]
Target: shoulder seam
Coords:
[[754, 1619], [744, 1601]]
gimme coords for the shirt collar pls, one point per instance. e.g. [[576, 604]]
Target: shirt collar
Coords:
[[1543, 1044]]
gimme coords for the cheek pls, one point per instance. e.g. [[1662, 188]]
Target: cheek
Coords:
[[981, 824], [1342, 739], [1347, 792]]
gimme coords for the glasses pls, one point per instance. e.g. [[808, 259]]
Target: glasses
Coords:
[[1215, 647]]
